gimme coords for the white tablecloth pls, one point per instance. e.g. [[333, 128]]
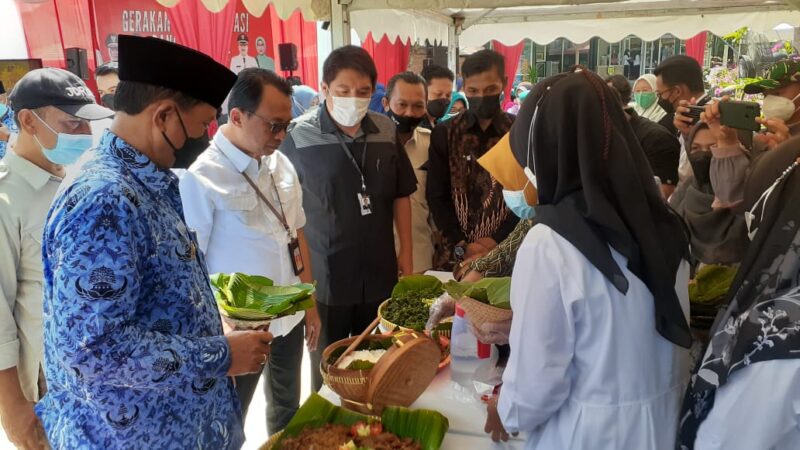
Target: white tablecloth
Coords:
[[467, 415]]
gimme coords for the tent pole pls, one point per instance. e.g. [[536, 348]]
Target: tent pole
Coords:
[[340, 23], [453, 34]]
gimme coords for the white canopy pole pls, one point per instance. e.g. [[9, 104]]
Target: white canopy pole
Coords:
[[340, 23], [453, 34]]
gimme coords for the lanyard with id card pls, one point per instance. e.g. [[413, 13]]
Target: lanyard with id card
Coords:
[[294, 246], [364, 200]]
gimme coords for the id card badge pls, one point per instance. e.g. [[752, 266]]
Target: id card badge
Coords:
[[365, 203], [296, 256]]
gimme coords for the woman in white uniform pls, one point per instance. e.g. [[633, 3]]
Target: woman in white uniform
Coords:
[[745, 393], [599, 335]]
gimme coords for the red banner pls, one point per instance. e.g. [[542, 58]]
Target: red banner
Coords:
[[136, 17], [390, 57], [255, 42]]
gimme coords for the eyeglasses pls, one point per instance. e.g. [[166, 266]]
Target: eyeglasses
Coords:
[[274, 127]]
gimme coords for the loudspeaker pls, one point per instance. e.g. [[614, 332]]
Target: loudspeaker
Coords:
[[288, 54], [77, 62]]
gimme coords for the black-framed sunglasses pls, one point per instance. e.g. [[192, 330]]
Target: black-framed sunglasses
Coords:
[[274, 127]]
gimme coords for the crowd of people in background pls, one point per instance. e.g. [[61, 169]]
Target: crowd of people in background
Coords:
[[601, 199]]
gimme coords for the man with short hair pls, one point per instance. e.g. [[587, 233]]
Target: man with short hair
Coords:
[[243, 60], [54, 108], [8, 126], [440, 89], [134, 351], [356, 183], [466, 202], [679, 83], [405, 102], [243, 194]]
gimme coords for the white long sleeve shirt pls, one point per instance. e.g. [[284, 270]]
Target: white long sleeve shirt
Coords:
[[235, 229], [587, 370], [26, 192]]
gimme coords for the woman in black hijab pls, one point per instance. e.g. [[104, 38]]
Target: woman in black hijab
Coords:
[[745, 392], [718, 235], [596, 359]]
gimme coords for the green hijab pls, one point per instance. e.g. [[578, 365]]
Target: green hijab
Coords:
[[457, 96]]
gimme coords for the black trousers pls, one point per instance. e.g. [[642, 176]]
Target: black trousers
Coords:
[[281, 381], [340, 322]]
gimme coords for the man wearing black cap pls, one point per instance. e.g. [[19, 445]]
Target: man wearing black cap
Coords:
[[7, 124], [54, 108], [243, 60], [135, 356]]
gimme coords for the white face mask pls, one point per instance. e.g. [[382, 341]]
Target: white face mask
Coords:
[[348, 111], [777, 107]]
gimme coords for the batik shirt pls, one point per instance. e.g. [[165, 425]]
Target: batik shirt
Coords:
[[134, 352], [8, 121]]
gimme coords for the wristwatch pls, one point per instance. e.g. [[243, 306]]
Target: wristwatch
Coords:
[[459, 251]]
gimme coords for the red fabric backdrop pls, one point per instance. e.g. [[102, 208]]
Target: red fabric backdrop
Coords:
[[511, 53], [198, 28], [302, 33], [390, 58], [696, 47]]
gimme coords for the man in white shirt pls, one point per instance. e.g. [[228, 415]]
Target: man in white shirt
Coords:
[[244, 200], [243, 60], [53, 109]]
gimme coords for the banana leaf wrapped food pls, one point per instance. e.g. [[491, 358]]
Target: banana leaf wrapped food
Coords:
[[256, 300]]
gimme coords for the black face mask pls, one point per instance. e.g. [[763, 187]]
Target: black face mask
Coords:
[[190, 150], [108, 101], [484, 108], [438, 108], [666, 105], [405, 124], [701, 166]]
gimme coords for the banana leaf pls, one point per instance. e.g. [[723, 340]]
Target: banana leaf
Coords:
[[413, 283], [492, 291], [252, 297], [711, 283], [424, 426]]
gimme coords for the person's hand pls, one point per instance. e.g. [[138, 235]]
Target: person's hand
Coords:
[[5, 133], [725, 136], [24, 429], [682, 120], [249, 351], [492, 332], [494, 426], [777, 132], [405, 263], [444, 306], [313, 327], [475, 251], [487, 243], [472, 276]]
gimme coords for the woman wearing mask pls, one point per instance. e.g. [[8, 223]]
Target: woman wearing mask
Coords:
[[646, 103], [458, 104], [303, 100], [596, 345], [744, 393], [781, 90], [718, 235]]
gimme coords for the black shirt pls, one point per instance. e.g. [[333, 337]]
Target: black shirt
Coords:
[[439, 185], [662, 148], [353, 256]]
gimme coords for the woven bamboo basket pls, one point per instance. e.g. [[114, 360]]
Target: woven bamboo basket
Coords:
[[389, 327], [479, 313], [272, 441], [397, 379]]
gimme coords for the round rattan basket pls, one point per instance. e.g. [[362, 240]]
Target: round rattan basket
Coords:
[[397, 379], [479, 313], [388, 327], [272, 441]]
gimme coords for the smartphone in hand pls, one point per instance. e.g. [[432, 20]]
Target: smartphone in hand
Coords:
[[740, 115], [694, 113]]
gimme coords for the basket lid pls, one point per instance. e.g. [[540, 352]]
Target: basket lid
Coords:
[[404, 372]]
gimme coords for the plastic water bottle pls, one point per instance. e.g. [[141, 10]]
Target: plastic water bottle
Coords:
[[467, 354]]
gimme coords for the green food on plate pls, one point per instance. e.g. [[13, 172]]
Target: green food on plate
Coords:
[[411, 301]]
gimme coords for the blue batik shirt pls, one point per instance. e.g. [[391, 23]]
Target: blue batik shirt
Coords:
[[8, 120], [134, 352]]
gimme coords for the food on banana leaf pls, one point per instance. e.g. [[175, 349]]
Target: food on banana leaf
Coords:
[[252, 297], [711, 283], [411, 301], [321, 425], [361, 359], [492, 291]]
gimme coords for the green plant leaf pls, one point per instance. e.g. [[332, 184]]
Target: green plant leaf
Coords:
[[711, 283], [412, 283], [316, 412], [251, 297], [492, 291]]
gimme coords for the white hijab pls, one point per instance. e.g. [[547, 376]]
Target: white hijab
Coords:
[[654, 112]]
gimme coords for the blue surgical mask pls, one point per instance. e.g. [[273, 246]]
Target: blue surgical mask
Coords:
[[515, 200], [69, 147], [3, 109]]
